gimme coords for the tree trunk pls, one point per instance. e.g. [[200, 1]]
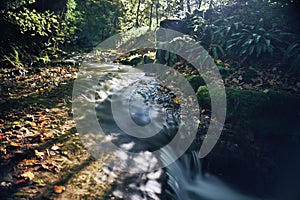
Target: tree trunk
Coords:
[[151, 13], [199, 4], [210, 4], [181, 7], [188, 4], [137, 14], [157, 18]]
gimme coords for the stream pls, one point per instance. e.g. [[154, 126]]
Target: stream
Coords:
[[115, 92]]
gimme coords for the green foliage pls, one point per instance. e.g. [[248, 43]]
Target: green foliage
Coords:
[[213, 35], [252, 30], [255, 32], [13, 58], [255, 40], [73, 18], [227, 36], [92, 21], [28, 30], [138, 13], [15, 4], [291, 54], [216, 50], [33, 22]]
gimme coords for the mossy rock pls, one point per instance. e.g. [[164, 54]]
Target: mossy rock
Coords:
[[137, 59], [196, 81], [271, 112], [132, 60], [147, 59]]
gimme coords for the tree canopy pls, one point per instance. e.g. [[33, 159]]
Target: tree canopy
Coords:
[[36, 31]]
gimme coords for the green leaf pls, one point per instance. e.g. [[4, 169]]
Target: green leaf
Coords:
[[167, 55], [292, 47], [221, 49], [271, 50], [251, 49], [246, 30], [236, 34], [256, 37], [230, 46], [258, 50], [268, 42], [215, 53], [250, 41], [236, 25], [243, 52]]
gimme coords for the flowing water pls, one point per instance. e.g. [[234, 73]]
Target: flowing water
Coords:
[[149, 103]]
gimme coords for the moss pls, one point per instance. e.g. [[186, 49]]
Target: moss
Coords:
[[196, 81], [245, 103], [132, 60], [203, 96], [259, 111]]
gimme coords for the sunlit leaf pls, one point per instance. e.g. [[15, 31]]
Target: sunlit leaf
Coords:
[[176, 100], [16, 123], [29, 175], [39, 181], [271, 82], [55, 148], [218, 61], [14, 144], [58, 189], [39, 154], [27, 162], [3, 150]]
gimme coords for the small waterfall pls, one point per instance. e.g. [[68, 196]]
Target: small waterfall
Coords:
[[187, 181]]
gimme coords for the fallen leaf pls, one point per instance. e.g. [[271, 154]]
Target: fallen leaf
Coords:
[[20, 181], [235, 80], [218, 61], [27, 162], [58, 189], [176, 100], [266, 91], [42, 140], [51, 153], [58, 159], [45, 166], [42, 124], [16, 123], [14, 144], [24, 194], [32, 124], [3, 150], [39, 181], [55, 148], [8, 156], [74, 76], [48, 135], [28, 175], [24, 130], [39, 154], [271, 82]]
